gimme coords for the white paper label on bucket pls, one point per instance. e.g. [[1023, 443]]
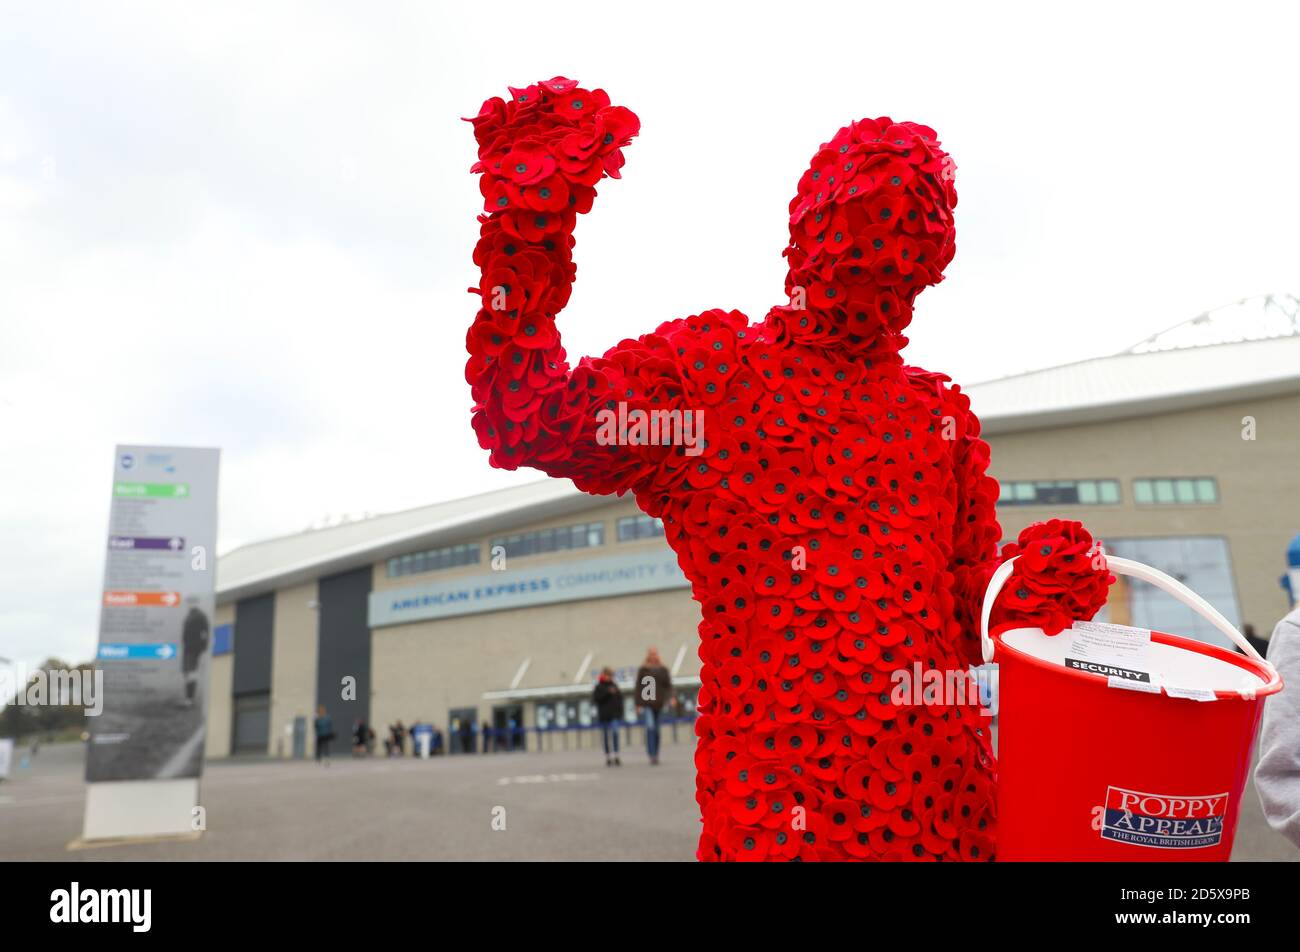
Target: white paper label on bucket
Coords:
[[1144, 686], [1194, 694], [1119, 641], [1114, 651]]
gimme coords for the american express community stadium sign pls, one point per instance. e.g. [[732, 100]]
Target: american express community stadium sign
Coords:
[[631, 573]]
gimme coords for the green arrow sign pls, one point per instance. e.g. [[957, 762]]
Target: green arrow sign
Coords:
[[152, 490]]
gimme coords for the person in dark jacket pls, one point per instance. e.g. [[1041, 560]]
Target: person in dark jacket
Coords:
[[654, 688], [324, 734], [1256, 642], [609, 711]]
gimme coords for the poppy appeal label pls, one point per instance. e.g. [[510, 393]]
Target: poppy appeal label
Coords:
[[1163, 822]]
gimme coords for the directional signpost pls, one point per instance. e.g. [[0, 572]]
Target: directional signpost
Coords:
[[155, 633]]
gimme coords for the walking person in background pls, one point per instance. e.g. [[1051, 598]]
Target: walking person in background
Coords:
[[487, 737], [396, 745], [609, 711], [1256, 642], [654, 688], [324, 734]]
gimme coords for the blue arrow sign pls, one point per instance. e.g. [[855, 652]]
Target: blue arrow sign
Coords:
[[119, 652]]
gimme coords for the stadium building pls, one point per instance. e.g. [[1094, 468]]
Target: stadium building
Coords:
[[1182, 452]]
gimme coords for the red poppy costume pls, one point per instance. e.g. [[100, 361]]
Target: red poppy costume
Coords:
[[837, 527]]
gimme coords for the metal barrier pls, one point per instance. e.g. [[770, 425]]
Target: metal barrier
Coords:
[[571, 736], [674, 730]]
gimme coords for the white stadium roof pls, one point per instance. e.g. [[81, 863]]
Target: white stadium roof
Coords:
[[1247, 349], [293, 559], [1258, 318]]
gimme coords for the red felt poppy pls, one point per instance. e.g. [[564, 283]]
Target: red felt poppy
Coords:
[[527, 166]]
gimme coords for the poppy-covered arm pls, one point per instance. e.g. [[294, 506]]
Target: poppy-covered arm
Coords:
[[1061, 575], [540, 157]]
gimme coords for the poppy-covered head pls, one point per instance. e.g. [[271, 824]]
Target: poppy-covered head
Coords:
[[870, 227]]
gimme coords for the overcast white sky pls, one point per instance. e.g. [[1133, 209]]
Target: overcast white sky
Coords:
[[249, 225]]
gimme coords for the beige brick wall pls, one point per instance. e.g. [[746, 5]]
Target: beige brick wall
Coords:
[[221, 672], [1259, 510], [293, 665], [423, 669]]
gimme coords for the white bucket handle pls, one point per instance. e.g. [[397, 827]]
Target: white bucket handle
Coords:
[[1146, 573]]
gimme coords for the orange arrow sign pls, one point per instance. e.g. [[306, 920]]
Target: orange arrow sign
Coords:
[[142, 599]]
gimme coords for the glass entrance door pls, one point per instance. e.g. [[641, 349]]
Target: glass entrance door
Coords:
[[508, 723], [462, 730]]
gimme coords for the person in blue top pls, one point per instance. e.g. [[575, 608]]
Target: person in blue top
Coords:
[[324, 734], [421, 739]]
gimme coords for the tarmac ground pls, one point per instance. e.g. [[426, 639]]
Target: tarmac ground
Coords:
[[560, 805], [565, 805]]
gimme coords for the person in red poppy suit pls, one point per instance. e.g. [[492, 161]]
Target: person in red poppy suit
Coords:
[[830, 506]]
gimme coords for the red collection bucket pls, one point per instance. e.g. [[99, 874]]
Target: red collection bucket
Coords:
[[1122, 744]]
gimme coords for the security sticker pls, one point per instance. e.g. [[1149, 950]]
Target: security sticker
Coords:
[[1116, 652]]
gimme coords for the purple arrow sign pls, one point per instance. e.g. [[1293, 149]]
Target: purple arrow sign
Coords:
[[164, 543]]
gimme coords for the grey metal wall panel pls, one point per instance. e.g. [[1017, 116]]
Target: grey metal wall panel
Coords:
[[254, 631], [252, 727], [343, 648]]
